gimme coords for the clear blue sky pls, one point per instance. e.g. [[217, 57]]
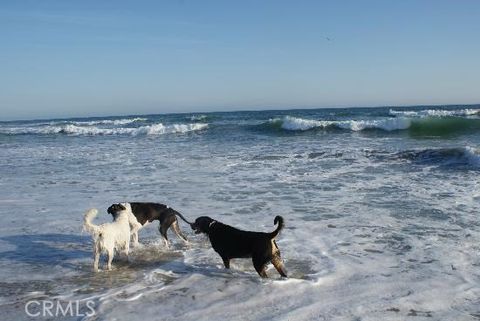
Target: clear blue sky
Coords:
[[81, 58]]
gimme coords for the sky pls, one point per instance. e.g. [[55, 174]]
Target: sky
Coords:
[[91, 58]]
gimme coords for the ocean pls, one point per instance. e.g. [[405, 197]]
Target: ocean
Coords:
[[381, 209]]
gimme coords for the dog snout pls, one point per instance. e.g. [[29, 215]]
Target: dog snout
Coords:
[[195, 227], [114, 208]]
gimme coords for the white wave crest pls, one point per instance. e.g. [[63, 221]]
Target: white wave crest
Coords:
[[389, 124], [294, 123], [435, 112], [159, 129], [74, 130]]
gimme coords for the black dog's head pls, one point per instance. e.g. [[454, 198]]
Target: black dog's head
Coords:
[[202, 224], [115, 208]]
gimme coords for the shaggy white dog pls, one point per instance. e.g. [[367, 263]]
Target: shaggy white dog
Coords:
[[109, 237]]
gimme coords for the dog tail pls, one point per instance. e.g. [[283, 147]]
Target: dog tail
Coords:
[[183, 218], [278, 220], [87, 221]]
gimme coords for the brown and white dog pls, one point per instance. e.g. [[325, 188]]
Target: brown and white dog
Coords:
[[144, 213], [232, 243]]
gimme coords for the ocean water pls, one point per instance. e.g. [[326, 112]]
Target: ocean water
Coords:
[[381, 205]]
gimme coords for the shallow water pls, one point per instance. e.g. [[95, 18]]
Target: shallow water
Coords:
[[381, 209]]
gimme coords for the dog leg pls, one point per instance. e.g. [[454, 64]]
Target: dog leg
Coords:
[[127, 250], [166, 243], [135, 238], [277, 259], [96, 257], [135, 228], [177, 231], [163, 231], [110, 259], [260, 266], [226, 262], [278, 264]]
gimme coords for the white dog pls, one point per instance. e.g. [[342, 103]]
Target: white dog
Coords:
[[109, 237]]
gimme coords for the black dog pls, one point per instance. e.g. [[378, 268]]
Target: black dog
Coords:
[[231, 243], [148, 212]]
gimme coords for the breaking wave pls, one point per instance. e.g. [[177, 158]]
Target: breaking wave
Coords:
[[75, 130], [299, 124], [421, 127]]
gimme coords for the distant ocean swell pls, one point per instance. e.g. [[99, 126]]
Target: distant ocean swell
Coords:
[[428, 126], [435, 112], [115, 122], [201, 118], [417, 123]]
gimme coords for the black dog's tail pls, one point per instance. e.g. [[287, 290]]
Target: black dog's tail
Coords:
[[278, 219]]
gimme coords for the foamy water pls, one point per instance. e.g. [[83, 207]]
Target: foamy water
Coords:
[[381, 214]]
